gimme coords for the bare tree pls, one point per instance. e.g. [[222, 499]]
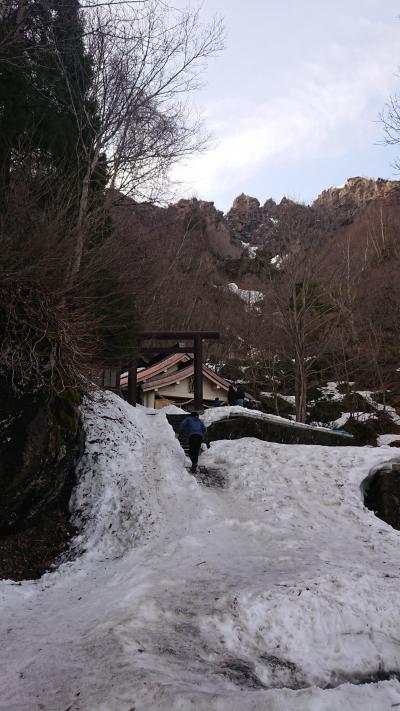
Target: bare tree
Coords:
[[146, 58], [300, 309], [390, 118]]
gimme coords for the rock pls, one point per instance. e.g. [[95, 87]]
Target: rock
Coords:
[[383, 495], [40, 439], [244, 218], [239, 426], [256, 224], [355, 194]]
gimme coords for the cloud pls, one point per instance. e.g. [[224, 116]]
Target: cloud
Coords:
[[329, 106]]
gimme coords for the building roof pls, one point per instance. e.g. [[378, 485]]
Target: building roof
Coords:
[[153, 370], [170, 378], [155, 376]]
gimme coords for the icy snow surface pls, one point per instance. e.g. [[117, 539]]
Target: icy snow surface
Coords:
[[387, 439], [251, 297], [279, 592], [218, 413]]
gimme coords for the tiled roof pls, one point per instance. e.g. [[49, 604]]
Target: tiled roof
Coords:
[[149, 380], [170, 378], [154, 370]]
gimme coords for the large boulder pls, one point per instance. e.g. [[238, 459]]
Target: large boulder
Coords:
[[40, 439], [383, 494]]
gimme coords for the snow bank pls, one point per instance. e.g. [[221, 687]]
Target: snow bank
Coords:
[[386, 439], [213, 414], [278, 591]]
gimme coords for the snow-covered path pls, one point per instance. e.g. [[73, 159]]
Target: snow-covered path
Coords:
[[275, 593]]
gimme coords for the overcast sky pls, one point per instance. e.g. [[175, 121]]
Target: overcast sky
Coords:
[[293, 101]]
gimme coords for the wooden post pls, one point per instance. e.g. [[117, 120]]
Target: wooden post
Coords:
[[198, 372], [132, 384]]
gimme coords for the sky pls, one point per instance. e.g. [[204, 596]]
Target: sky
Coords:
[[293, 101]]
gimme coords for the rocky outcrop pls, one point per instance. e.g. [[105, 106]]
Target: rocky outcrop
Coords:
[[257, 224], [250, 222], [345, 201], [212, 224], [382, 494], [40, 439]]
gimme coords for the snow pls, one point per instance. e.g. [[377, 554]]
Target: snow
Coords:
[[331, 390], [251, 297], [368, 395], [174, 410], [387, 439], [278, 592], [359, 416], [218, 413], [289, 398], [250, 249]]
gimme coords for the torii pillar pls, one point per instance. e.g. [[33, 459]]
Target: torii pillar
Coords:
[[196, 347]]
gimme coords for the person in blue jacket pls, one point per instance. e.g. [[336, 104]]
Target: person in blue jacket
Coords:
[[194, 429]]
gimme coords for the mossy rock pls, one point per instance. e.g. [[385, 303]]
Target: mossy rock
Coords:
[[66, 409]]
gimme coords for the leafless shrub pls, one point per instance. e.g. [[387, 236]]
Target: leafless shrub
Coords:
[[43, 345]]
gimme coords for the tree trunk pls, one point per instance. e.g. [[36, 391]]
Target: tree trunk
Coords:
[[300, 375], [81, 221]]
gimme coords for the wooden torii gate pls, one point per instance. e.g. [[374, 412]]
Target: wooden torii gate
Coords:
[[196, 346]]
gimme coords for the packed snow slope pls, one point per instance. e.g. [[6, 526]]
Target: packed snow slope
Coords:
[[277, 592]]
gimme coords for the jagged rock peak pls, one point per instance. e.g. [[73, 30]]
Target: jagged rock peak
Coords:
[[204, 208], [245, 202], [358, 191]]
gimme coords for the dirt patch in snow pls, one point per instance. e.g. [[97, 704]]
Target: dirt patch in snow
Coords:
[[213, 478]]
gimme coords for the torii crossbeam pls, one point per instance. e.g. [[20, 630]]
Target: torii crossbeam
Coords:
[[196, 346]]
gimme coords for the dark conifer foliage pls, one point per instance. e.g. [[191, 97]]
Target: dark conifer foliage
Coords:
[[45, 76]]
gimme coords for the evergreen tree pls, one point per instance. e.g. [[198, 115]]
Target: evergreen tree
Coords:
[[45, 77]]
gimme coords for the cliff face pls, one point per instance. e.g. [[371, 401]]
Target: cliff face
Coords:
[[358, 192], [344, 202], [211, 222], [253, 223]]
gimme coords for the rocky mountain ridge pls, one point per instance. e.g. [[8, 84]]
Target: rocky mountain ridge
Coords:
[[256, 224]]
